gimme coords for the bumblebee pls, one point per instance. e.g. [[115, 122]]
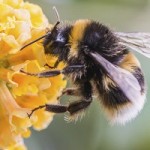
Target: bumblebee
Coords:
[[97, 61]]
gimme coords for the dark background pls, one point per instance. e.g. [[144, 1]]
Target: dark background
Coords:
[[94, 132]]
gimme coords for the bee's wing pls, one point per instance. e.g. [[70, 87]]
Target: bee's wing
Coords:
[[127, 83], [137, 41]]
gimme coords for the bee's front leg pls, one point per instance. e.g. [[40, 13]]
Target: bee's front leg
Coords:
[[55, 64]]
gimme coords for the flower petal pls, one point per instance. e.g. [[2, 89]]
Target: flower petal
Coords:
[[21, 23]]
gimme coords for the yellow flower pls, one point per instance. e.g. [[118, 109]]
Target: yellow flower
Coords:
[[20, 23]]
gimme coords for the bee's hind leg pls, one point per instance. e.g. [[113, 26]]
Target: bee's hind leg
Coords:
[[85, 91], [74, 107], [50, 108]]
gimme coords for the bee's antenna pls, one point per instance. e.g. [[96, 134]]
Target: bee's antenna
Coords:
[[33, 41], [58, 18], [57, 14]]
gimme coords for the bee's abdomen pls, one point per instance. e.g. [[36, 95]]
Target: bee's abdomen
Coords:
[[110, 94], [106, 85], [117, 106]]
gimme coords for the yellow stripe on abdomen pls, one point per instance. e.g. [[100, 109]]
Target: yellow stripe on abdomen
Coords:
[[129, 62]]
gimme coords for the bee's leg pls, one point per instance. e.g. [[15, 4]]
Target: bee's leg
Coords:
[[76, 106], [55, 64], [45, 74], [71, 92], [51, 73], [85, 90], [73, 107], [50, 108]]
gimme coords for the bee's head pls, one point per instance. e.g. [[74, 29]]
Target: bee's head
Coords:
[[54, 41]]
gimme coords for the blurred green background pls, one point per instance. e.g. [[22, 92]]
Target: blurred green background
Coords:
[[94, 132]]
